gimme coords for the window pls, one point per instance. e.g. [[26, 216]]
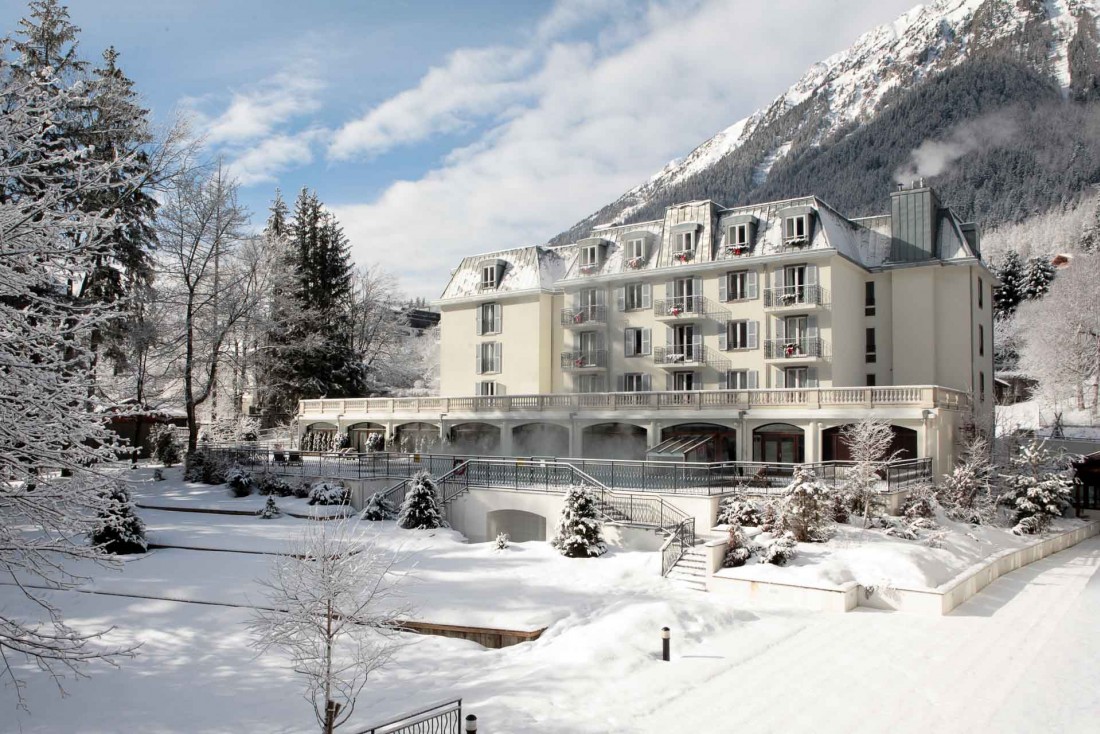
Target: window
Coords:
[[488, 358], [870, 379], [636, 342], [489, 277], [869, 298], [590, 258], [871, 356], [635, 249], [488, 318], [487, 388], [740, 238], [686, 346], [635, 382], [633, 297], [683, 247], [685, 381], [981, 340], [737, 286], [796, 377], [794, 228], [981, 386], [737, 379], [684, 296], [588, 383], [981, 291], [739, 335]]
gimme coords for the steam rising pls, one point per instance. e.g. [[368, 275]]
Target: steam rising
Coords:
[[934, 157]]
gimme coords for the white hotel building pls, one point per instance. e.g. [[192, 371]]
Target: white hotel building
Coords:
[[753, 333]]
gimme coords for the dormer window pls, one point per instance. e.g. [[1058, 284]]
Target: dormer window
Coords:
[[489, 276], [683, 246], [740, 234], [590, 259], [796, 229]]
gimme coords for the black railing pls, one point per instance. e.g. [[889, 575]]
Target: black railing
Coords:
[[584, 359], [795, 295], [799, 348], [584, 316], [679, 542], [689, 354], [678, 306], [552, 474], [443, 718]]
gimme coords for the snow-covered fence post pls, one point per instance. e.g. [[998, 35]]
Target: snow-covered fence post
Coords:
[[666, 643]]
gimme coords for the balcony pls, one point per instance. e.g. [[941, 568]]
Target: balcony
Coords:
[[799, 297], [583, 317], [685, 308], [584, 361], [735, 252], [806, 349], [688, 356]]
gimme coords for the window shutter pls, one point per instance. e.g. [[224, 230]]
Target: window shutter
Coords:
[[647, 295], [726, 380], [628, 343], [696, 341], [752, 338], [479, 321], [670, 288], [811, 327], [620, 383], [780, 328], [668, 382], [499, 308], [723, 287], [601, 297], [647, 383], [477, 351], [723, 336], [777, 276], [670, 336], [696, 380], [601, 341], [620, 298], [811, 275], [697, 287], [753, 379], [750, 285], [811, 377], [647, 339], [500, 389], [498, 356]]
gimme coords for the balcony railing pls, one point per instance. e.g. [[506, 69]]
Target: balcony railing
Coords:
[[795, 295], [804, 348], [584, 359], [583, 316], [685, 308]]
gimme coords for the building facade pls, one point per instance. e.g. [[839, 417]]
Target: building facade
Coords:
[[753, 333]]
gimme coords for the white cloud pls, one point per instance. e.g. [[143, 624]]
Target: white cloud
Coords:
[[264, 161], [256, 112], [599, 119]]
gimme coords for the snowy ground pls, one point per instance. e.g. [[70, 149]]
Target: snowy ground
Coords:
[[1018, 657]]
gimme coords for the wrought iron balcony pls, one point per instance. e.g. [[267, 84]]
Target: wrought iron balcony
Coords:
[[687, 356], [685, 308], [805, 349], [585, 359], [585, 316], [801, 296]]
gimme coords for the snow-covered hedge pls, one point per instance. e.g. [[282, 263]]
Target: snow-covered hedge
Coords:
[[778, 551], [737, 552], [240, 481], [739, 510], [329, 493], [379, 508]]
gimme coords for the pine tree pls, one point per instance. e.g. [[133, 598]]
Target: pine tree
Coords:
[[1011, 291], [805, 508], [578, 533], [737, 549], [378, 508], [119, 531], [1037, 279], [420, 510], [1037, 489]]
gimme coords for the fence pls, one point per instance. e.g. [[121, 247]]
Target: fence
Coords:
[[442, 718]]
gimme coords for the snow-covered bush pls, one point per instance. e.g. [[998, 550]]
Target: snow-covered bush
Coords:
[[158, 475], [741, 511], [1037, 490], [329, 493], [868, 442], [240, 481], [202, 466], [921, 503], [270, 483], [578, 534], [379, 508], [421, 510], [900, 530], [374, 442], [270, 510], [301, 489], [840, 507], [501, 543], [166, 447], [805, 508], [769, 517], [737, 552], [779, 551], [966, 494], [118, 529]]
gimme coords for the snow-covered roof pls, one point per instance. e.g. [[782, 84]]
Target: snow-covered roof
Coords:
[[523, 269]]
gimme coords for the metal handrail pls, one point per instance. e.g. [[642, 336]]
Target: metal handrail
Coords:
[[441, 718]]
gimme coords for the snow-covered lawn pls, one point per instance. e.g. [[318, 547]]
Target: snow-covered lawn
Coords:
[[872, 558], [1002, 662]]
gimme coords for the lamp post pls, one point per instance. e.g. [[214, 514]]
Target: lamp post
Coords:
[[666, 640], [471, 724]]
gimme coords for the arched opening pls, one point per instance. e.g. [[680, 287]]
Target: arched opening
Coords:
[[320, 436], [480, 439], [540, 439], [613, 441], [833, 447], [360, 437], [520, 526], [696, 442], [416, 437], [778, 443]]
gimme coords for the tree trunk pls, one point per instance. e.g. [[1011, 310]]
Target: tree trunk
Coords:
[[188, 376]]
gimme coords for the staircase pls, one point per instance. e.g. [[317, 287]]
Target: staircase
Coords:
[[690, 571]]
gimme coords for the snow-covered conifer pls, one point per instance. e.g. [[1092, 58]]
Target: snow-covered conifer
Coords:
[[379, 508], [744, 512], [737, 552], [329, 493], [1037, 489], [421, 510], [119, 531], [240, 481], [270, 510], [166, 448], [501, 543], [578, 534], [805, 508], [1011, 291], [1040, 274]]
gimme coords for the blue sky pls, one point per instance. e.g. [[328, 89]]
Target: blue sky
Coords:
[[439, 129]]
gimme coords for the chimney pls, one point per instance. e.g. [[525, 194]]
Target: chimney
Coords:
[[914, 222]]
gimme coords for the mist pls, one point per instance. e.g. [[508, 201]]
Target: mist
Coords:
[[934, 157]]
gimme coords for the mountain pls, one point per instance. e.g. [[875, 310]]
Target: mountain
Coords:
[[995, 102]]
